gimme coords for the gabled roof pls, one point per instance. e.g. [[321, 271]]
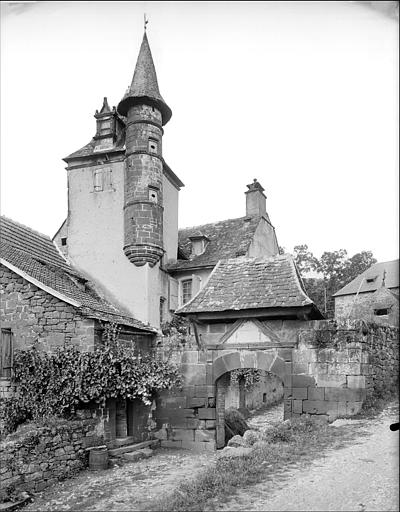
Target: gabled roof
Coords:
[[251, 283], [35, 257], [144, 86], [227, 239], [375, 272]]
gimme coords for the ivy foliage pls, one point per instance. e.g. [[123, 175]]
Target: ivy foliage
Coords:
[[251, 377], [55, 384]]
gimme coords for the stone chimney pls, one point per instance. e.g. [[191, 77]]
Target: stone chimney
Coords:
[[255, 200]]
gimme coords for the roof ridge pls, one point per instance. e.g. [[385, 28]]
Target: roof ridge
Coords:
[[220, 222]]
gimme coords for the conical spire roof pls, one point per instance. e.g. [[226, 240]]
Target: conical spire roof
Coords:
[[144, 86]]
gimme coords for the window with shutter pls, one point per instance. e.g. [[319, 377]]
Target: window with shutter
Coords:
[[98, 180], [6, 353]]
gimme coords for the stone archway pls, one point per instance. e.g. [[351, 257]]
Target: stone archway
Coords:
[[268, 361]]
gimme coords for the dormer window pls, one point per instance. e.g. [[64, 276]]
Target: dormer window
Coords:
[[199, 244], [153, 146], [371, 279], [153, 194]]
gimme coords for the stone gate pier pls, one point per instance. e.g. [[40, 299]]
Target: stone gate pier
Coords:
[[328, 370]]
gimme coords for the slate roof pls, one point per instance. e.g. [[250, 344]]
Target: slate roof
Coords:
[[88, 150], [376, 270], [250, 283], [144, 84], [36, 255], [227, 239]]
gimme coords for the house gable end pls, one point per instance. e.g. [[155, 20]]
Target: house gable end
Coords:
[[249, 332]]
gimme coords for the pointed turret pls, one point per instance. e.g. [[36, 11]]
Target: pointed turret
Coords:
[[144, 86]]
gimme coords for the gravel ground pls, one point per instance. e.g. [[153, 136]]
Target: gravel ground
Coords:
[[130, 487], [361, 477]]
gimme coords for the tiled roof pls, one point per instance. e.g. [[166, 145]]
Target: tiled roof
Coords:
[[144, 84], [374, 272], [35, 254], [250, 283], [227, 239], [89, 149]]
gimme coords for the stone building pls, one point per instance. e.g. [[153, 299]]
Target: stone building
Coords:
[[119, 257], [372, 296]]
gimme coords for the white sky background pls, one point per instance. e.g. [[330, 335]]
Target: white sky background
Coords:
[[301, 95]]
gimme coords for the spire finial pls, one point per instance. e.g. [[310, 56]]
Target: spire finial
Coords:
[[145, 21]]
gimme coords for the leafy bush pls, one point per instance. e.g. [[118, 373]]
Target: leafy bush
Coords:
[[55, 384]]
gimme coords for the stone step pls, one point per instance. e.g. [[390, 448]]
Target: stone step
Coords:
[[123, 441], [140, 454], [116, 452]]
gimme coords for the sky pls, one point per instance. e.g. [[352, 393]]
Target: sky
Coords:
[[302, 96]]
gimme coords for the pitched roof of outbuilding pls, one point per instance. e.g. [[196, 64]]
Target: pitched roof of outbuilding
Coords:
[[227, 239], [250, 283], [375, 272], [35, 255]]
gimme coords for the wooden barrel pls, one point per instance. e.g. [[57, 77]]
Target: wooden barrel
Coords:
[[98, 459]]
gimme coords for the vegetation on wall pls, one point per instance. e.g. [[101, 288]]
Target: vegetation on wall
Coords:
[[250, 376], [55, 384]]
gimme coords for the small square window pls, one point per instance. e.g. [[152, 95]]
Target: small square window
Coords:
[[153, 195], [63, 240], [153, 146]]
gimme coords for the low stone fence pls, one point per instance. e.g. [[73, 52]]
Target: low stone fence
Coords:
[[34, 458], [349, 363]]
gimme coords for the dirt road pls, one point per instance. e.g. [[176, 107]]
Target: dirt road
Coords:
[[361, 477]]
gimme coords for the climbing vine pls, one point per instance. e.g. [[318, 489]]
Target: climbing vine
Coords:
[[55, 384], [250, 375]]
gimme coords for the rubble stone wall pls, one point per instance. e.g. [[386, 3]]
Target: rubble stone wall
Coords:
[[33, 314], [33, 459]]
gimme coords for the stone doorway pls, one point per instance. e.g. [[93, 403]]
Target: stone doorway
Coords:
[[229, 394], [267, 361]]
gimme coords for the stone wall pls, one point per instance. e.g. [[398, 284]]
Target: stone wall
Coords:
[[328, 370], [346, 306], [33, 314], [349, 362], [34, 457], [268, 391]]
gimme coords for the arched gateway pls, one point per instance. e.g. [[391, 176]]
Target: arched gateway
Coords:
[[254, 313]]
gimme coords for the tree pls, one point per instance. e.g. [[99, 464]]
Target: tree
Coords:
[[305, 260], [358, 264], [336, 269]]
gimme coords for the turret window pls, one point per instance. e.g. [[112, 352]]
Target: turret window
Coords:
[[153, 195], [153, 146]]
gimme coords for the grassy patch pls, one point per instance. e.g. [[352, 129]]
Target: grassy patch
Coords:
[[297, 442]]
